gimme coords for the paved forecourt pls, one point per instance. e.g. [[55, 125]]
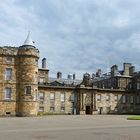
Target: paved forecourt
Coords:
[[92, 127]]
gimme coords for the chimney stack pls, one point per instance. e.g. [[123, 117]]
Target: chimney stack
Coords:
[[131, 71], [127, 68], [69, 76], [114, 70], [44, 63], [98, 73], [74, 77], [59, 75]]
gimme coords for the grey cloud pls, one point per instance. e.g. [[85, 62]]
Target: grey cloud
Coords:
[[76, 36]]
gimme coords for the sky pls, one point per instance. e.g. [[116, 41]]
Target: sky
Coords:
[[75, 36]]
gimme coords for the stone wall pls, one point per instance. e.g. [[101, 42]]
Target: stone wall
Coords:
[[56, 103]]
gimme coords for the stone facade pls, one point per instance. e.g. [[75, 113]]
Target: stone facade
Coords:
[[26, 90]]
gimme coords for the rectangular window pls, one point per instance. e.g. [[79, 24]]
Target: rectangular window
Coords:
[[28, 90], [52, 97], [123, 99], [107, 109], [8, 93], [8, 73], [42, 80], [52, 109], [99, 97], [41, 96], [36, 77], [116, 98], [72, 97], [41, 109], [107, 97], [137, 99], [62, 97], [123, 109], [138, 85], [62, 108], [116, 109], [131, 99]]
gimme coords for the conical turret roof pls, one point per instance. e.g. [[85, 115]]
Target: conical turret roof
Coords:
[[28, 41]]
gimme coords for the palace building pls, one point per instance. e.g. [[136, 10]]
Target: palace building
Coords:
[[26, 90]]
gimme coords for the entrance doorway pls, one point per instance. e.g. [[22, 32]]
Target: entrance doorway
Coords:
[[100, 110], [88, 111]]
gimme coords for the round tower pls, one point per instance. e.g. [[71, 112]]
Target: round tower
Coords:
[[27, 77]]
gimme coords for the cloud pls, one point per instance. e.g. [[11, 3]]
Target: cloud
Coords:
[[75, 36]]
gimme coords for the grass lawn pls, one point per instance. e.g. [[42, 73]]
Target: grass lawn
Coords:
[[134, 118]]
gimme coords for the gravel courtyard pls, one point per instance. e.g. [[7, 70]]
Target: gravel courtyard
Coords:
[[94, 127]]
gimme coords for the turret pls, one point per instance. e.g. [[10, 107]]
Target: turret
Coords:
[[27, 77]]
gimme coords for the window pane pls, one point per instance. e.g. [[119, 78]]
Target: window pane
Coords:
[[51, 96], [62, 108], [123, 99], [41, 109], [138, 99], [28, 90], [131, 99], [41, 80], [138, 85], [99, 97], [8, 93], [52, 109], [36, 77], [107, 98], [62, 97], [8, 74], [107, 109], [41, 96], [116, 97]]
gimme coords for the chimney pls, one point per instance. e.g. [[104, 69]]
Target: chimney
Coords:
[[114, 70], [74, 77], [44, 63], [59, 75], [93, 76], [98, 73], [126, 68], [131, 71], [69, 76]]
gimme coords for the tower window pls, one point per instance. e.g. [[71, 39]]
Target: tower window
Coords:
[[8, 73], [28, 90], [8, 93], [36, 77]]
